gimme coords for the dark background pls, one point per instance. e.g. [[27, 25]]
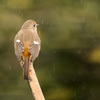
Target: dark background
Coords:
[[68, 67]]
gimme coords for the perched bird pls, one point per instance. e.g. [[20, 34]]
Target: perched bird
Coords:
[[27, 45]]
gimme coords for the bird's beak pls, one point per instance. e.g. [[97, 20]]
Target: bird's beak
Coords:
[[37, 24]]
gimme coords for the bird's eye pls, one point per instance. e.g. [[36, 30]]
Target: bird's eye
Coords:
[[33, 25]]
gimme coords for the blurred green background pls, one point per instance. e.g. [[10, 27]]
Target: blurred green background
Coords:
[[68, 67]]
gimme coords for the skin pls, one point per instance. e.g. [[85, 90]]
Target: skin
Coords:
[[27, 43]]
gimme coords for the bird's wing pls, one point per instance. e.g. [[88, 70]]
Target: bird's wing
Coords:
[[34, 48], [19, 47]]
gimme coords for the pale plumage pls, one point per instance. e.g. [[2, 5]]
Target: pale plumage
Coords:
[[27, 42]]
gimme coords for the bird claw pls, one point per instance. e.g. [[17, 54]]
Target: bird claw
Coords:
[[30, 79], [22, 64]]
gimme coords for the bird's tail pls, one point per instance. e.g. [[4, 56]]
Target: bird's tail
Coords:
[[26, 68]]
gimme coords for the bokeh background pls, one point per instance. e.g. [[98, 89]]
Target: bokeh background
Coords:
[[68, 67]]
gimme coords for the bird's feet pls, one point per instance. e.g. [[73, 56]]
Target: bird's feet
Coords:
[[22, 64]]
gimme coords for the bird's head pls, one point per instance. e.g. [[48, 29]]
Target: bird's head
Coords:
[[30, 24]]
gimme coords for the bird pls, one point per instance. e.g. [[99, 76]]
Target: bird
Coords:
[[27, 45]]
